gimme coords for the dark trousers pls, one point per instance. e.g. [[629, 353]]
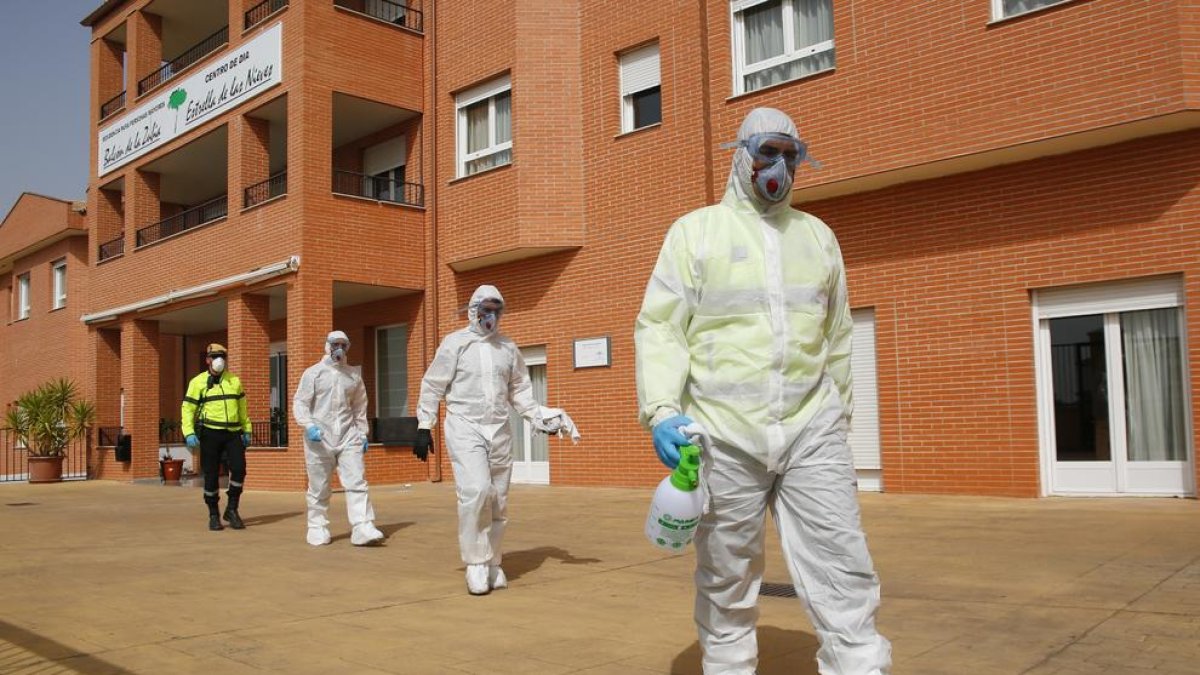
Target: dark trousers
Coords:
[[219, 446]]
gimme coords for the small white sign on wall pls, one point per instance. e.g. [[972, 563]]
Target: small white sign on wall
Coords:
[[593, 352]]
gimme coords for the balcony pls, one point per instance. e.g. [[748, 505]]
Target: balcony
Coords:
[[189, 56], [401, 14], [381, 188], [112, 105], [111, 248], [275, 186], [214, 209], [263, 11]]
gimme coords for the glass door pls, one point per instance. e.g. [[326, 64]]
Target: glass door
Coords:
[[531, 450]]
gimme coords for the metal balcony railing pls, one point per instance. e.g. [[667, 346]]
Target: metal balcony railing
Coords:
[[112, 105], [214, 209], [111, 248], [375, 187], [269, 434], [191, 55], [259, 13], [398, 13], [107, 436], [268, 189]]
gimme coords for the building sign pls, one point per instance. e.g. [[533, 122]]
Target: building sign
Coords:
[[593, 352], [237, 76]]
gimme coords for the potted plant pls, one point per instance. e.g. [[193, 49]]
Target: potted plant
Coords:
[[45, 421], [172, 469]]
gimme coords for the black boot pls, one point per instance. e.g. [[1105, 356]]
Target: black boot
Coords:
[[214, 522], [235, 521]]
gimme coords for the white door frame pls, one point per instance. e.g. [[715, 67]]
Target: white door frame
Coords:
[[1108, 300], [528, 471]]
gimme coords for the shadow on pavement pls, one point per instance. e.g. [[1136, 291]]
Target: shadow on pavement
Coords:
[[24, 651], [780, 652], [388, 529], [270, 518], [519, 563]]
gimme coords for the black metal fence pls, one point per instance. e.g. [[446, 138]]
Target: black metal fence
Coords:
[[14, 459], [270, 188], [399, 13], [377, 187], [191, 55], [259, 13], [196, 216], [112, 105], [111, 248]]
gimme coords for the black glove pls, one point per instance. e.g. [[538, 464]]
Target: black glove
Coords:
[[423, 445]]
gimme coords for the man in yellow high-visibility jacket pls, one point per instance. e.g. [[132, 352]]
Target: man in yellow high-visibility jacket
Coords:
[[214, 418]]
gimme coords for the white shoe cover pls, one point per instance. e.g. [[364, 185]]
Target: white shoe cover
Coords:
[[477, 580], [365, 534], [496, 578], [318, 536]]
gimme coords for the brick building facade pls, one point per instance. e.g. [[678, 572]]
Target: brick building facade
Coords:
[[1013, 183]]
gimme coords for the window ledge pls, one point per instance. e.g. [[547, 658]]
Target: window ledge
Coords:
[[485, 172], [1036, 10], [631, 132], [778, 85], [57, 309]]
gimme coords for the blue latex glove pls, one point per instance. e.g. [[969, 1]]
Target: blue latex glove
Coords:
[[246, 439], [192, 441], [365, 444], [667, 439], [313, 433]]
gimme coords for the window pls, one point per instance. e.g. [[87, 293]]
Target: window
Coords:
[[779, 40], [1003, 9], [23, 296], [641, 90], [391, 371], [60, 284], [484, 127], [383, 165]]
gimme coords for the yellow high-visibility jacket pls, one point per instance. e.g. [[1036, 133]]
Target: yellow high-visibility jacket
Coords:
[[222, 406]]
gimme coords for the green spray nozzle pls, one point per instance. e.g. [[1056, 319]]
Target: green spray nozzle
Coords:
[[686, 475]]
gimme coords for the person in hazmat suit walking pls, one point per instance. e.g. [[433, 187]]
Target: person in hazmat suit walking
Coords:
[[482, 376], [331, 405], [745, 328]]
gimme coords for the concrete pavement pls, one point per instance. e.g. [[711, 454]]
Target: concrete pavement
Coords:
[[100, 577]]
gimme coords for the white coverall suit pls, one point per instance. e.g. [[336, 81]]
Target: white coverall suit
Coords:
[[745, 328], [482, 376], [332, 397]]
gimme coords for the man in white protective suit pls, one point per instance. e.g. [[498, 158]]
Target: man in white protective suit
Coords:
[[745, 329], [482, 376], [331, 405]]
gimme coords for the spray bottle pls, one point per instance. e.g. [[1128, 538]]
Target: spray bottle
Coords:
[[677, 505]]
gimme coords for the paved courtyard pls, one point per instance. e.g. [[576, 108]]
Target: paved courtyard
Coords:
[[100, 577]]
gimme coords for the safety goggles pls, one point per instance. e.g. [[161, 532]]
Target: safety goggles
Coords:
[[339, 345], [770, 147]]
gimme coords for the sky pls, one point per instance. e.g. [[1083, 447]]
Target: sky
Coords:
[[43, 99]]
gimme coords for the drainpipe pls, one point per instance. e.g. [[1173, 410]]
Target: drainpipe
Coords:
[[431, 309]]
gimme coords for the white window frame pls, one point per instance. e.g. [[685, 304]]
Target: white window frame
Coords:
[[640, 56], [378, 379], [58, 273], [23, 296], [384, 159], [489, 91], [999, 15], [741, 69]]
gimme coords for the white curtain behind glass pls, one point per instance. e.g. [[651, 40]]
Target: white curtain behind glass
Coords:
[[1154, 397], [391, 372], [540, 452], [1020, 6], [764, 38]]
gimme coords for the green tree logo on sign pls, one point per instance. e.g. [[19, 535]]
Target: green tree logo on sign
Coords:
[[178, 97]]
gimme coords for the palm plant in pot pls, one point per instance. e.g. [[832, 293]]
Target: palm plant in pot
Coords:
[[45, 421]]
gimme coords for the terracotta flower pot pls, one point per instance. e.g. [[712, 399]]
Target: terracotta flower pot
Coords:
[[172, 469], [45, 469]]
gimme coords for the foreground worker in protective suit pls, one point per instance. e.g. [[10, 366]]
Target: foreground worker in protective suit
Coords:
[[483, 377], [745, 328], [331, 405]]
